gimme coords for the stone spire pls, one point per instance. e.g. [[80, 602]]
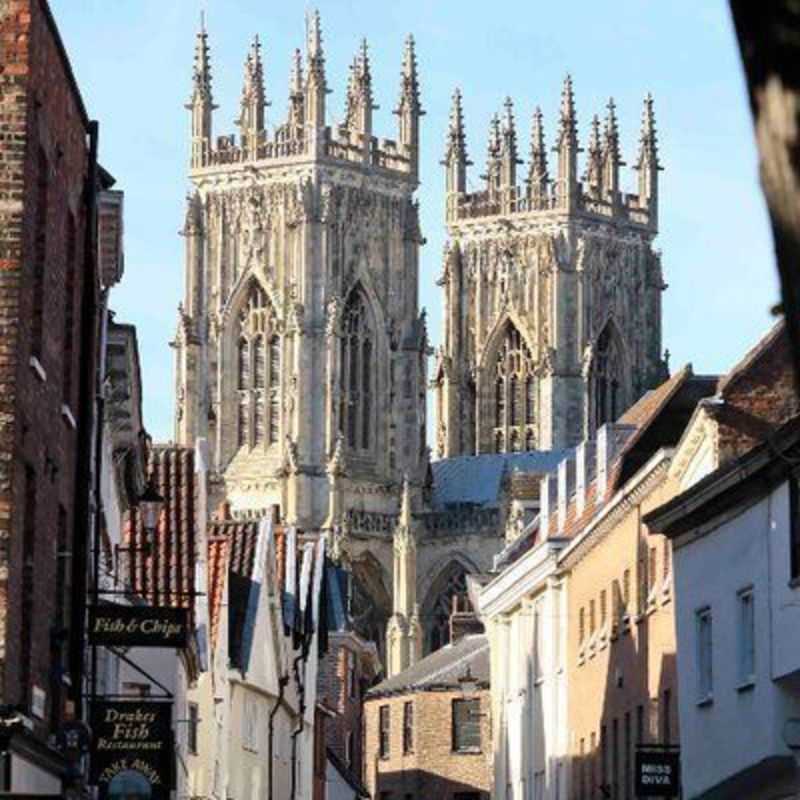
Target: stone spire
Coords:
[[647, 163], [201, 103], [350, 99], [455, 156], [594, 161], [508, 150], [567, 148], [316, 85], [611, 156], [538, 178], [494, 153], [251, 121], [409, 109], [296, 97], [362, 96], [404, 632]]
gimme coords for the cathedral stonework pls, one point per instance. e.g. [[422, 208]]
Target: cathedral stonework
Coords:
[[552, 288], [301, 353]]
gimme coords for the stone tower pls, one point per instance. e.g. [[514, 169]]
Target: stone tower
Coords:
[[300, 349], [552, 288]]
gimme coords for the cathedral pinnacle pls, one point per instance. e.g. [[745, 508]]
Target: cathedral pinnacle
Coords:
[[316, 86], [594, 161], [568, 131], [296, 74], [314, 35], [456, 149], [648, 140], [537, 173], [611, 134], [254, 100], [409, 80], [201, 75]]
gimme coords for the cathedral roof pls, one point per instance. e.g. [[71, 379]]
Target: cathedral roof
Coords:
[[476, 480], [441, 669]]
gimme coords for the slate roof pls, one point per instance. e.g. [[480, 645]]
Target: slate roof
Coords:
[[441, 669], [643, 415], [476, 480], [163, 575]]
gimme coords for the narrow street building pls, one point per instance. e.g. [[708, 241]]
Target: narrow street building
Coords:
[[428, 728], [55, 260], [736, 554]]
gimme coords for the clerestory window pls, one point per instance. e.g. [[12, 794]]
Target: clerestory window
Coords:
[[258, 358]]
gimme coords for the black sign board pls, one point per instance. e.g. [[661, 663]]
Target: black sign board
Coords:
[[132, 749], [114, 625], [657, 773]]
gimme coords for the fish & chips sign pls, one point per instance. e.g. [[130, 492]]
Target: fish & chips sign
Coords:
[[113, 625]]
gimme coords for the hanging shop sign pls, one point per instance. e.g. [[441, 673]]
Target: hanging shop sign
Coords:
[[657, 772], [132, 749], [113, 625]]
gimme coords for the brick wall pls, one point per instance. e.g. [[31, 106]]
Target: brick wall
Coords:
[[334, 693], [759, 397], [43, 154], [432, 769]]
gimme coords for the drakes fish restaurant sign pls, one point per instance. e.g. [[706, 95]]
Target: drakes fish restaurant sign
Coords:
[[657, 773], [113, 625], [132, 749]]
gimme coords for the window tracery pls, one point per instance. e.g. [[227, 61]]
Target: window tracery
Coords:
[[258, 360], [356, 373], [514, 395], [608, 378]]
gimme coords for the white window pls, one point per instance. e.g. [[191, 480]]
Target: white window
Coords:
[[747, 653], [705, 674]]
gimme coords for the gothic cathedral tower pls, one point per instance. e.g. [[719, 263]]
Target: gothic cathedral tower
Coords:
[[300, 350], [552, 289]]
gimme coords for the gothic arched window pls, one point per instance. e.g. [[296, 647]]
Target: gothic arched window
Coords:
[[514, 394], [439, 606], [258, 371], [608, 378], [356, 373]]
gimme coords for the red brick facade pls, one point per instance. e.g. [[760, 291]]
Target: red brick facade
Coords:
[[44, 164], [343, 692]]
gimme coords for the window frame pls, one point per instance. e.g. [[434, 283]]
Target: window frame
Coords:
[[408, 727], [746, 629], [704, 655], [471, 715], [384, 731]]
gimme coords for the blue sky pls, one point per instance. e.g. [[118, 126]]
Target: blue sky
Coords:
[[133, 61]]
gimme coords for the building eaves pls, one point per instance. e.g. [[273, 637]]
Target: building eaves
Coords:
[[741, 479]]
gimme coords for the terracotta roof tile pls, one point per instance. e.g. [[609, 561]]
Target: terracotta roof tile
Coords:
[[217, 578], [162, 572]]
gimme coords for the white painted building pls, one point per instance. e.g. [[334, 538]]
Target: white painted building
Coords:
[[736, 557], [524, 610]]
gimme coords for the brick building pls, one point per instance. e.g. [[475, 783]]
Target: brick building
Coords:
[[49, 315], [428, 732]]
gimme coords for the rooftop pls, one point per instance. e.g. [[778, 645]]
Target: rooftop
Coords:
[[441, 669]]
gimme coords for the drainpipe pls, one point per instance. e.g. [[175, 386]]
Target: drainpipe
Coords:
[[81, 522], [299, 729], [282, 681]]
